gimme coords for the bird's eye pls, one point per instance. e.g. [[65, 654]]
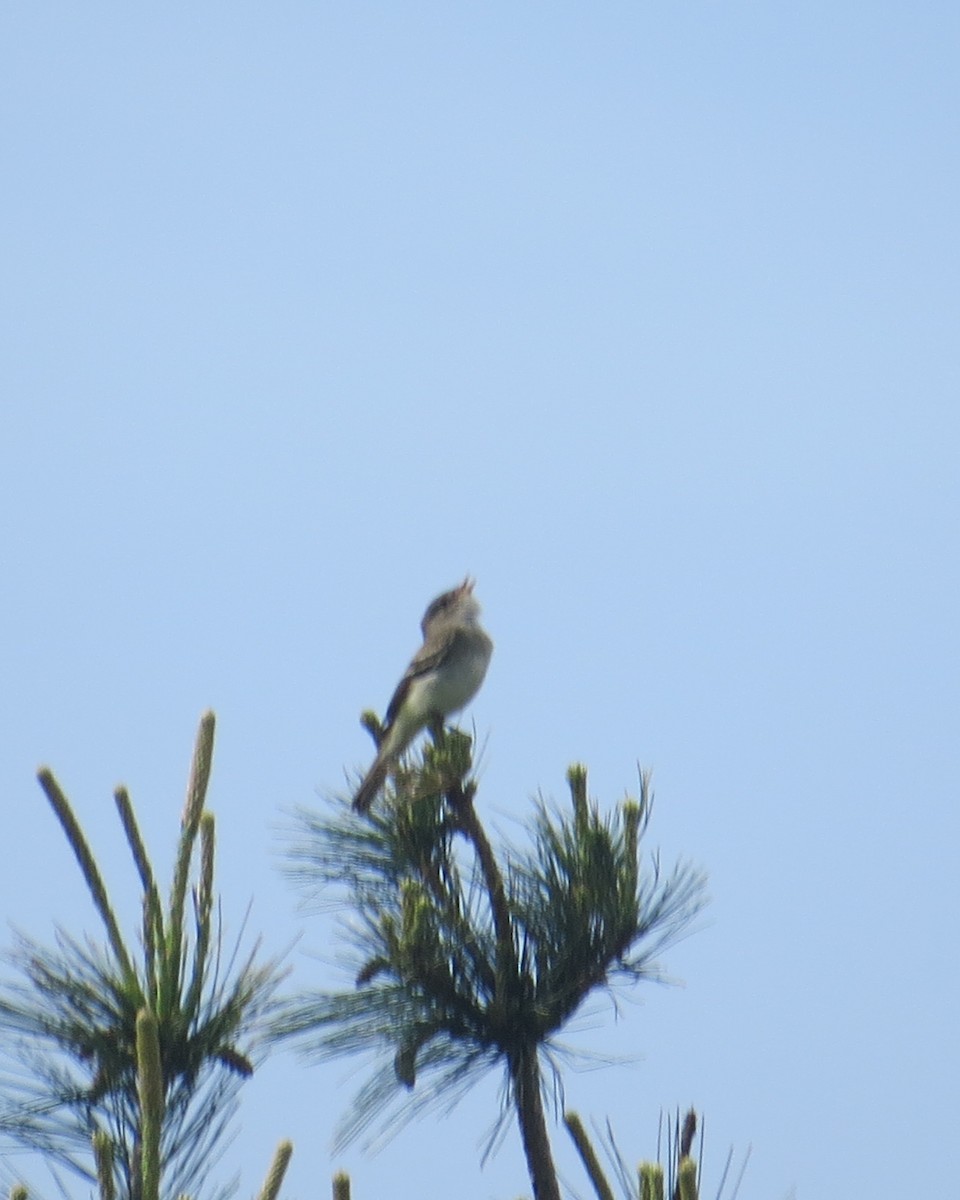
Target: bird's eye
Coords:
[[437, 607]]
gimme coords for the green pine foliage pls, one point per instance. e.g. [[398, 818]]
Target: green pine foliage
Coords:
[[464, 958], [124, 1063]]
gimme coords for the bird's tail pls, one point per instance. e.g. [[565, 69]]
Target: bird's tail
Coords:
[[373, 781]]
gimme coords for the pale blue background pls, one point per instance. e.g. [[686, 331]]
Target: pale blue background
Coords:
[[646, 315]]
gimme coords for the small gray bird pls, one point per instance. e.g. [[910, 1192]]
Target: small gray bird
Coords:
[[444, 675]]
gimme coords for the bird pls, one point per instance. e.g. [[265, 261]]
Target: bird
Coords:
[[443, 677]]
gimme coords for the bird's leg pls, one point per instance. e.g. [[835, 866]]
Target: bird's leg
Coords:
[[435, 725]]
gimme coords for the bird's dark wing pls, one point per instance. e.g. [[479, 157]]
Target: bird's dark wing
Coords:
[[430, 655]]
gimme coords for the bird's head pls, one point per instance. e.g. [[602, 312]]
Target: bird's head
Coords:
[[457, 604]]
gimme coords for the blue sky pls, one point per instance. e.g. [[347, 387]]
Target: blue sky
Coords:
[[647, 317]]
